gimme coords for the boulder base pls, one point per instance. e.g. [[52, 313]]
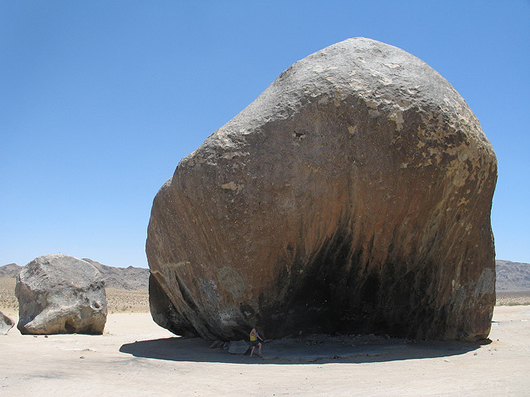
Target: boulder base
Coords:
[[238, 347], [60, 294], [352, 196]]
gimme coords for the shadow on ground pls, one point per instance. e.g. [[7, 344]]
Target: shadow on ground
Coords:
[[323, 349]]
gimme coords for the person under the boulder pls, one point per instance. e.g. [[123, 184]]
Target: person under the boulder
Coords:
[[254, 336]]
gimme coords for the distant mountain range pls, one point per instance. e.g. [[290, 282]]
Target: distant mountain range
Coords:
[[128, 278], [10, 270], [511, 276]]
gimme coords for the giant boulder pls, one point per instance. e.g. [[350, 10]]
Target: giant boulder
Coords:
[[353, 195], [60, 294]]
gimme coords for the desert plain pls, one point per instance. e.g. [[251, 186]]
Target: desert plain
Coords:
[[136, 357]]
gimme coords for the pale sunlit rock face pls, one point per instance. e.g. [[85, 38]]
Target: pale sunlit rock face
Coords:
[[60, 294]]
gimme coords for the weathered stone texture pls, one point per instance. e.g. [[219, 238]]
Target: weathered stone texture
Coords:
[[6, 324], [353, 195], [60, 294], [238, 347]]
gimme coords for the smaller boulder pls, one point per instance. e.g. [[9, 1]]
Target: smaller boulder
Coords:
[[5, 324], [60, 294], [238, 347]]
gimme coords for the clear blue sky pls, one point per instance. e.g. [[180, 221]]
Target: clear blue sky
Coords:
[[99, 101]]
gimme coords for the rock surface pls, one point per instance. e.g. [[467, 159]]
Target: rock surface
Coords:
[[6, 323], [60, 294], [352, 196], [238, 347]]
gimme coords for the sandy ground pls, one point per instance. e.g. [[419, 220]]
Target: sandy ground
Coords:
[[135, 357]]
